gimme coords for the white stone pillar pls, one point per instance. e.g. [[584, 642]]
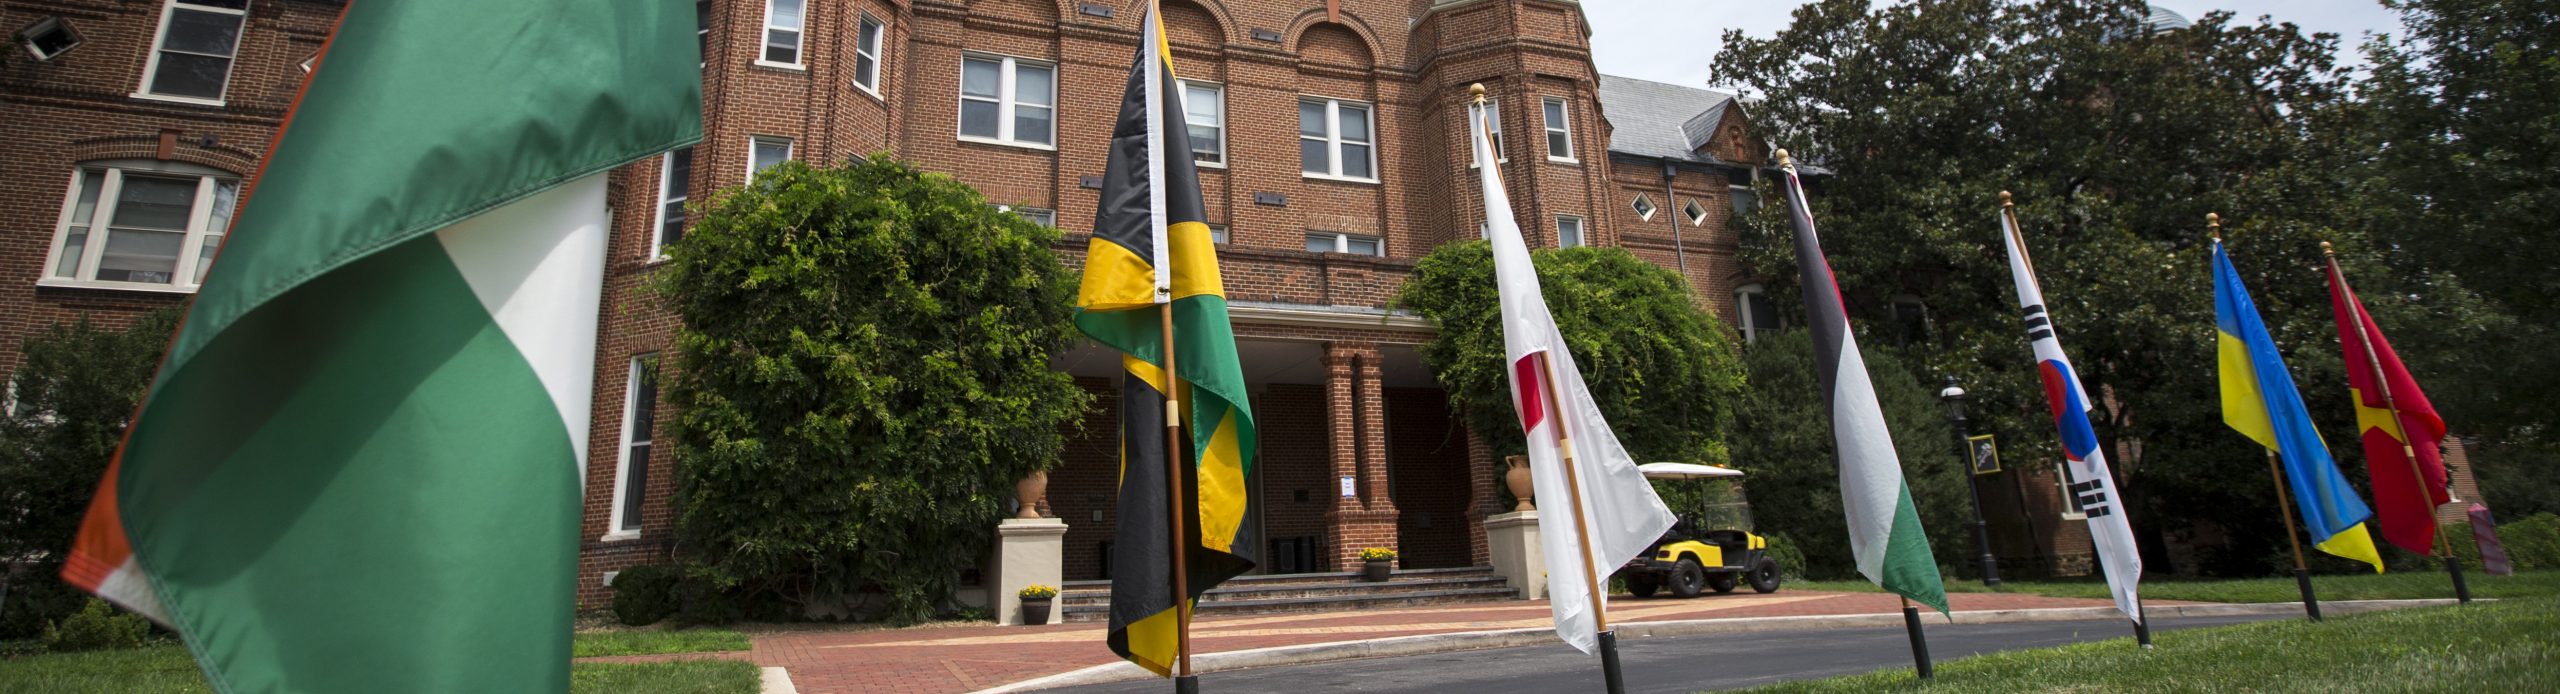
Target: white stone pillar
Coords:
[[1517, 556], [1028, 551]]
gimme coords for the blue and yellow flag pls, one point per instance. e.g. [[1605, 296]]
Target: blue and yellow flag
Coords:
[[2259, 400]]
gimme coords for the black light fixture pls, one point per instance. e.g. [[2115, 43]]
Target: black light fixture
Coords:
[[1953, 395]]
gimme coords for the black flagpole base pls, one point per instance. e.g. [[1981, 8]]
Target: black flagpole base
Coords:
[[2142, 627], [1186, 684], [1609, 663], [2310, 602], [1919, 643], [2461, 589]]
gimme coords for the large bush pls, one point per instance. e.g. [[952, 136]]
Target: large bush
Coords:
[[74, 393], [862, 375], [644, 594], [1664, 373], [97, 626], [1784, 443]]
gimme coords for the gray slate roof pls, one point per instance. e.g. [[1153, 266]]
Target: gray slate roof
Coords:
[[1661, 121]]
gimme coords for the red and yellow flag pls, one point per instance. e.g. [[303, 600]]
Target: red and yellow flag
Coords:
[[2395, 422]]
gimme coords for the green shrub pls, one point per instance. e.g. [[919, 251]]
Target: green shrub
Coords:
[[644, 594], [701, 601], [77, 385], [97, 626], [1790, 559], [2532, 543]]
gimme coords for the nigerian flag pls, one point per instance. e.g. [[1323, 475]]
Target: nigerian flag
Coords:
[[359, 467]]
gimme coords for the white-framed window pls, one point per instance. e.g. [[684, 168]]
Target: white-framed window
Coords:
[[639, 425], [1336, 140], [1644, 207], [767, 152], [48, 37], [675, 177], [782, 23], [1046, 218], [1568, 231], [1492, 123], [1758, 315], [1218, 234], [1338, 242], [1204, 115], [141, 224], [1559, 122], [1738, 186], [702, 29], [1696, 213], [866, 54], [1008, 100], [191, 56]]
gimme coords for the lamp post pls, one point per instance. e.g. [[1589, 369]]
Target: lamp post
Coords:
[[1953, 396]]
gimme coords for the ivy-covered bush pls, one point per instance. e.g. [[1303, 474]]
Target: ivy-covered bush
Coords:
[[1663, 372], [644, 594], [97, 626], [862, 374], [75, 391]]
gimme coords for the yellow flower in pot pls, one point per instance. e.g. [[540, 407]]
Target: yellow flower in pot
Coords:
[[1036, 600], [1377, 563]]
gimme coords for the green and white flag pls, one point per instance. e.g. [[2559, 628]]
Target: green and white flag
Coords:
[[359, 468]]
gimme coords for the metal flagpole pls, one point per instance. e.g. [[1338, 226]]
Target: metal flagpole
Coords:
[[1582, 530], [1185, 682], [2382, 383], [2284, 500], [1919, 642]]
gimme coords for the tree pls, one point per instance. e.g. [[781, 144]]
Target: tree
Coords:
[[2117, 141], [862, 374], [1784, 445], [1665, 374], [73, 397]]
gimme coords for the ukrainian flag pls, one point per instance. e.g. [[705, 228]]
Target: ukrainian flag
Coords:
[[2259, 400], [1151, 266]]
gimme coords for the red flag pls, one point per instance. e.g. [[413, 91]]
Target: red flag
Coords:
[[2381, 386]]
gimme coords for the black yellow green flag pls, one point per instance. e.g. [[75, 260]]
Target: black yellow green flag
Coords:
[[1151, 253]]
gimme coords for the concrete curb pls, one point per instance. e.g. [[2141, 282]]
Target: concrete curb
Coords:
[[1304, 654]]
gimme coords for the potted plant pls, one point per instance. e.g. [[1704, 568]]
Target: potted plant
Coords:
[[1035, 603], [1377, 563]]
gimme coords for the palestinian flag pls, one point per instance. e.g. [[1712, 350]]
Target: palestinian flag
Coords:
[[1884, 527], [2401, 432], [1150, 255], [359, 467]]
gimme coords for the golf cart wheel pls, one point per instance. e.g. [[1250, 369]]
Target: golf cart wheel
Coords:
[[1723, 581], [1688, 578], [1643, 584], [1764, 575]]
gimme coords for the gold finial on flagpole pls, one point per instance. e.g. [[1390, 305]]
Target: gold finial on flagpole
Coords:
[[1784, 161], [2324, 250], [2004, 200], [2213, 225], [1477, 89]]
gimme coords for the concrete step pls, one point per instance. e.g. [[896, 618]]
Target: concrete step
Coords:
[[1102, 611], [1272, 591], [1104, 586]]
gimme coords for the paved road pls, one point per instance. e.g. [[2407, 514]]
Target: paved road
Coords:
[[1669, 665]]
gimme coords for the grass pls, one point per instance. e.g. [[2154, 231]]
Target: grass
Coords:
[[646, 642], [167, 669], [2397, 585], [2503, 646]]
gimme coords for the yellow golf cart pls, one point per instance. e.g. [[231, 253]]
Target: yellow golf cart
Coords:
[[1708, 548]]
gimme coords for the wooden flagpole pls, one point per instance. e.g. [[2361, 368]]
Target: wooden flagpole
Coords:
[[1184, 682], [2284, 499], [1582, 530], [2382, 384]]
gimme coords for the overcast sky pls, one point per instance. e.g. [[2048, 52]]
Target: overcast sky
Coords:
[[1676, 40]]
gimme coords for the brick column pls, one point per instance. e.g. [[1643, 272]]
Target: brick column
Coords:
[[1365, 518], [1483, 496]]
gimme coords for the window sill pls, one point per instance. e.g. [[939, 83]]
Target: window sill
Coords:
[[1198, 164], [1008, 143], [1499, 160], [1564, 160], [188, 100], [620, 536], [871, 91], [788, 67], [1341, 179], [60, 283]]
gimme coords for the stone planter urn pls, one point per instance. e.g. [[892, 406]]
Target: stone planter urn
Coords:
[[1035, 611], [1027, 492], [1517, 478]]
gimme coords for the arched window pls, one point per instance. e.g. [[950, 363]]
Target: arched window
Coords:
[[1758, 315], [141, 224]]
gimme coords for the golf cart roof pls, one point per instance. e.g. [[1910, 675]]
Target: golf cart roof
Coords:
[[1685, 471]]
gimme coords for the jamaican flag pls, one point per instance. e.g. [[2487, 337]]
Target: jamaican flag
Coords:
[[1151, 248]]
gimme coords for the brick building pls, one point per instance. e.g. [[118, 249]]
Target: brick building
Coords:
[[1331, 136]]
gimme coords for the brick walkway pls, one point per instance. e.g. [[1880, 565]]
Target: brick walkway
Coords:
[[962, 659]]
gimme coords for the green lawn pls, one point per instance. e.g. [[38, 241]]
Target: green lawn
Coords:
[[2403, 584], [2507, 646], [167, 669], [645, 642]]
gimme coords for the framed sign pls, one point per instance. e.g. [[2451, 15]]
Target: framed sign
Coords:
[[1986, 454]]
